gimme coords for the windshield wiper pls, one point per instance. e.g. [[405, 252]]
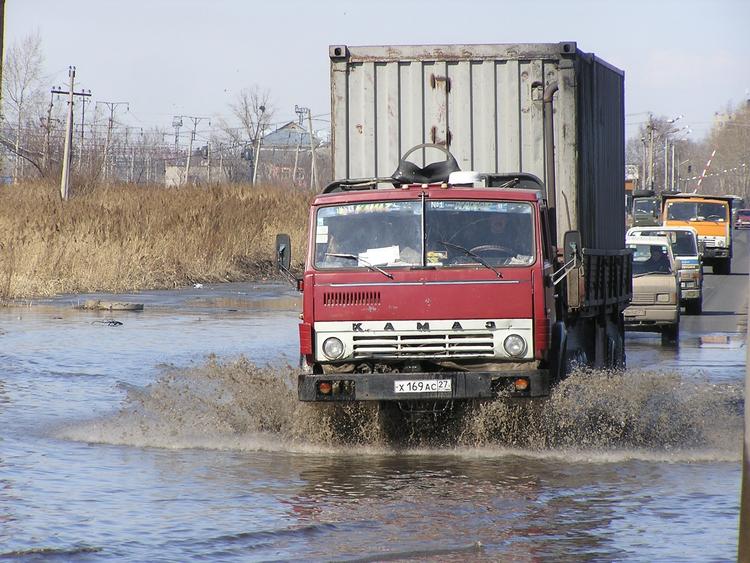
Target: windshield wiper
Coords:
[[358, 259], [470, 253]]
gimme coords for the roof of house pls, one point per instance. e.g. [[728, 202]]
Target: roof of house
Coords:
[[290, 135]]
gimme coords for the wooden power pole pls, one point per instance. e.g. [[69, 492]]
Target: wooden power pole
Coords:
[[67, 151]]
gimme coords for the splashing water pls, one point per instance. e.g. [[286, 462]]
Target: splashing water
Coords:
[[237, 405]]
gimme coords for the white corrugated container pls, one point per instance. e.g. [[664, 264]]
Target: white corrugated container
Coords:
[[484, 102]]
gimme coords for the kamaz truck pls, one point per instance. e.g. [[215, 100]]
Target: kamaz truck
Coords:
[[711, 217], [472, 246]]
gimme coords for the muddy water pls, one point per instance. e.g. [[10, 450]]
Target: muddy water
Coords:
[[153, 440]]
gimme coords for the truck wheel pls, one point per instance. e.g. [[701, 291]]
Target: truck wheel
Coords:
[[670, 335], [392, 422], [723, 267], [575, 359], [694, 306]]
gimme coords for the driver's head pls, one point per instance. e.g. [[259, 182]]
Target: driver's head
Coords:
[[657, 253], [498, 223]]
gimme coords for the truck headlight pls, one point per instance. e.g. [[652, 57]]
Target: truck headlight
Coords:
[[515, 345], [663, 298], [333, 348]]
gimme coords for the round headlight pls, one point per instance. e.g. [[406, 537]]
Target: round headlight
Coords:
[[515, 345], [333, 348]]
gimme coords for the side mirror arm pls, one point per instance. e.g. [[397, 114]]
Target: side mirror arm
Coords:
[[286, 272]]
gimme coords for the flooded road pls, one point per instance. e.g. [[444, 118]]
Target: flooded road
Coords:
[[154, 440]]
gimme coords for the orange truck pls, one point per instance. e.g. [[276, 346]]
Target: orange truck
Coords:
[[711, 217]]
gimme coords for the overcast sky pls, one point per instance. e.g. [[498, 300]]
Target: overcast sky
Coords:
[[192, 57]]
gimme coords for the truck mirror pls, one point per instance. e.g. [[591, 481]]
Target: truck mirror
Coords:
[[283, 252], [677, 264], [571, 245], [572, 249]]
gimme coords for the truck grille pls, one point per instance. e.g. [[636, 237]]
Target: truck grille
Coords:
[[351, 298], [709, 242], [643, 299], [424, 345]]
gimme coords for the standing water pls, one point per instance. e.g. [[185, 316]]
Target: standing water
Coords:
[[177, 435]]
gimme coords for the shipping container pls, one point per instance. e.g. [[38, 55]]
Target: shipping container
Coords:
[[485, 104]]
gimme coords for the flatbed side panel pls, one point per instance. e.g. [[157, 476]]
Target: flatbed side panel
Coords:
[[387, 139], [411, 125], [601, 165], [460, 102], [507, 101], [531, 125]]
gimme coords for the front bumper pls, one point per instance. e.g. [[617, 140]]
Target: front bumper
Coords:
[[382, 386], [650, 316], [715, 252]]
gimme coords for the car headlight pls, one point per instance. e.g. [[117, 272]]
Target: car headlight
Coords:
[[663, 298], [515, 345], [333, 348]]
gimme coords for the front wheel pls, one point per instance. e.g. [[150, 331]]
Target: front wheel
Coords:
[[694, 306], [723, 267], [670, 335]]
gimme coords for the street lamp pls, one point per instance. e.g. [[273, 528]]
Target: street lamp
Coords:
[[666, 151], [686, 133]]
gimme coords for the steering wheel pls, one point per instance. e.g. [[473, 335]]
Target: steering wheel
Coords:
[[492, 249]]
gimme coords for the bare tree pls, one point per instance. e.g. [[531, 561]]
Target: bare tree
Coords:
[[253, 110], [22, 74]]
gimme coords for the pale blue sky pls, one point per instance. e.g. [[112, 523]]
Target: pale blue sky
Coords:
[[168, 57]]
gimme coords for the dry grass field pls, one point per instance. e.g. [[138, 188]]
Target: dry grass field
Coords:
[[125, 237]]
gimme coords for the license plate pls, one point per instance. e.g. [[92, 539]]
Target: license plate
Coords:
[[422, 386], [631, 312]]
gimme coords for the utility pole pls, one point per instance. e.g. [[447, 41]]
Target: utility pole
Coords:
[[673, 144], [48, 131], [313, 178], [84, 101], [176, 123], [313, 174], [300, 113], [208, 160], [650, 128], [256, 142], [196, 121], [666, 162], [65, 178], [112, 107]]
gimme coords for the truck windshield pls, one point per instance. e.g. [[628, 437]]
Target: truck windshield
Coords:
[[697, 211], [645, 207], [456, 233], [650, 259]]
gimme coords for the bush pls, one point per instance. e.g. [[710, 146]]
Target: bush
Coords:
[[127, 237]]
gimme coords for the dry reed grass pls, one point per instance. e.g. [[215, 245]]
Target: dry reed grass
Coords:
[[126, 237]]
